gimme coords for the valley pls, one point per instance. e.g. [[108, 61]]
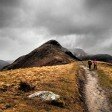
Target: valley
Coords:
[[56, 69]]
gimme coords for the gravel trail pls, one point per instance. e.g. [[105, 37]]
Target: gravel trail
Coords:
[[95, 98]]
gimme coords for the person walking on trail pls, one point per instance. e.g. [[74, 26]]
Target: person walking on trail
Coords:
[[89, 64], [95, 64]]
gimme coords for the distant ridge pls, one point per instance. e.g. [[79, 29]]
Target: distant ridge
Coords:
[[79, 52], [3, 63], [82, 55], [48, 54], [99, 57]]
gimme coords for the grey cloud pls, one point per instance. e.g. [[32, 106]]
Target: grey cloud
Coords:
[[92, 22], [58, 17], [69, 18], [101, 7], [95, 3], [5, 17], [10, 13], [15, 42], [9, 2], [75, 23]]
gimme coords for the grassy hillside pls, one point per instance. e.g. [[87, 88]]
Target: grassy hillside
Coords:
[[107, 69], [61, 80], [105, 78]]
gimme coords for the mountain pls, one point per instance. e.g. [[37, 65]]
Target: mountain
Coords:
[[3, 63], [99, 57], [82, 55], [48, 54], [79, 53]]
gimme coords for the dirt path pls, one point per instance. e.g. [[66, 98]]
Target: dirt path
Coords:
[[95, 98]]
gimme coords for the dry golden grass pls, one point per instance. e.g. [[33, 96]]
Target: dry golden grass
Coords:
[[107, 69], [105, 78], [60, 79]]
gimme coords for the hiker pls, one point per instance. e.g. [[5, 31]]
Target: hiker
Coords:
[[89, 64], [95, 64]]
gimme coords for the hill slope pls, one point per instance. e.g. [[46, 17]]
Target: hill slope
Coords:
[[60, 79], [50, 53], [3, 63], [105, 79]]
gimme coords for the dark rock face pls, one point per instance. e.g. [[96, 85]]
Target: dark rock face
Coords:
[[54, 42], [48, 54]]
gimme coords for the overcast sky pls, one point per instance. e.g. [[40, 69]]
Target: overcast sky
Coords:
[[26, 24]]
